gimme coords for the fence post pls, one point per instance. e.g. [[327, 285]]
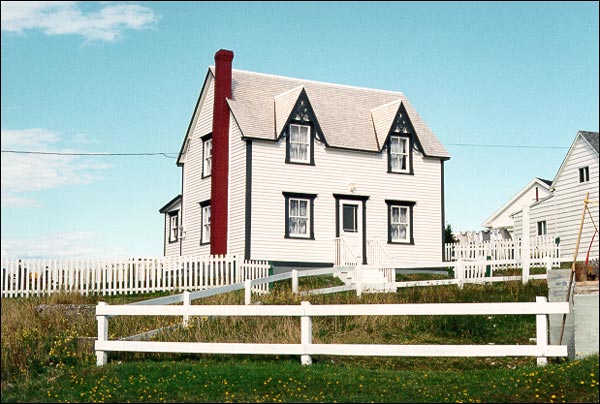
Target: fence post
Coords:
[[525, 246], [187, 301], [247, 291], [101, 356], [541, 332], [305, 334], [294, 281], [459, 272]]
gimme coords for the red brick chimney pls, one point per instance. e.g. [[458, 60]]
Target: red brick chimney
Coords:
[[220, 153]]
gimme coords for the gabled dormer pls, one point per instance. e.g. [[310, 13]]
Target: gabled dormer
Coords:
[[401, 141], [296, 120]]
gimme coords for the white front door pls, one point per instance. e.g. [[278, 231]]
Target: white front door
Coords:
[[350, 225]]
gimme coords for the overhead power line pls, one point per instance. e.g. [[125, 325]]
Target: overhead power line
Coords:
[[515, 146], [165, 154], [89, 154]]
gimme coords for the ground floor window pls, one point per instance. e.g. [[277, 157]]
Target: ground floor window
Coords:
[[400, 222], [299, 214], [173, 226]]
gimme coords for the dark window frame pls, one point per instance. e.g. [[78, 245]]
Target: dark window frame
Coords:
[[405, 204], [311, 225], [172, 214], [205, 139], [203, 205], [584, 174], [409, 138], [542, 225], [311, 143]]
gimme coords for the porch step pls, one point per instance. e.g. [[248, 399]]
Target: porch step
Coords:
[[373, 280]]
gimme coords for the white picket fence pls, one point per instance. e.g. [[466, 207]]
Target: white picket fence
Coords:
[[540, 248], [306, 348], [34, 277]]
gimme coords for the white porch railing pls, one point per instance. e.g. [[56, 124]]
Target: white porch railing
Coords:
[[27, 277], [305, 311], [343, 254], [378, 255]]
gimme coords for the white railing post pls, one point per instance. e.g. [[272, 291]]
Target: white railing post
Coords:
[[247, 291], [294, 281], [101, 356], [541, 332], [459, 272], [305, 334], [187, 301], [359, 279]]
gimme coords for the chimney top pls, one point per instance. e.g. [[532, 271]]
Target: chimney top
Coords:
[[224, 55]]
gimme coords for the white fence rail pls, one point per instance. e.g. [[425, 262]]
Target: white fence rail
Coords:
[[34, 277], [305, 311]]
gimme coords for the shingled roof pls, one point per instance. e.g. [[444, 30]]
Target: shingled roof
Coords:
[[591, 137], [349, 117]]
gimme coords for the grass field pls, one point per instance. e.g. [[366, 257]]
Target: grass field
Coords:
[[47, 355]]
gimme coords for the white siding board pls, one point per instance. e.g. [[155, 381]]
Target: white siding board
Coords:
[[333, 171], [237, 190], [195, 188]]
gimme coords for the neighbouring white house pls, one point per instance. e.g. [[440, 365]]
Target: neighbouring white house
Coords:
[[534, 191], [287, 170], [559, 214]]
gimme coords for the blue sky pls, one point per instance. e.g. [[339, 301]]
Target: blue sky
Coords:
[[123, 77]]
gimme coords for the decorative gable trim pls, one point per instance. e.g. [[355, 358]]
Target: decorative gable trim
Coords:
[[401, 126], [302, 113]]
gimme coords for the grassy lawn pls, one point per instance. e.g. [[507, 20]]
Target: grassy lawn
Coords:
[[285, 380], [47, 355]]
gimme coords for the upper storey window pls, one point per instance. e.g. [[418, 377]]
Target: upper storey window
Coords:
[[399, 154], [206, 155], [299, 144]]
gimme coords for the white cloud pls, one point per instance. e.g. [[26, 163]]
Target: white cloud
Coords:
[[54, 245], [67, 18], [35, 172]]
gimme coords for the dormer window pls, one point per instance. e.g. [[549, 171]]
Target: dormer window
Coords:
[[399, 154], [300, 145]]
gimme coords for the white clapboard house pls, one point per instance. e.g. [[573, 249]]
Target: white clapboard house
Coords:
[[291, 171], [534, 191], [559, 214]]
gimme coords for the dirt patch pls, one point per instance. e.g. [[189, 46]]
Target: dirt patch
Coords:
[[70, 311]]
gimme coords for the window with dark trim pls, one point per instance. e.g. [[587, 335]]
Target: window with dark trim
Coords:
[[400, 222], [584, 174], [300, 144], [299, 215], [399, 154], [173, 226], [541, 228], [205, 222], [206, 155]]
